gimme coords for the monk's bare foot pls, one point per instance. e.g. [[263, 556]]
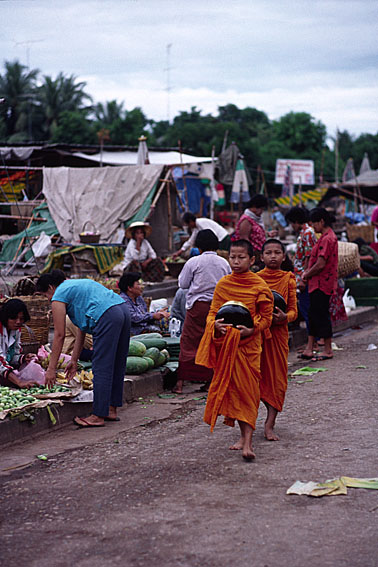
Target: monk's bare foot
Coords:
[[237, 446], [248, 454], [270, 435]]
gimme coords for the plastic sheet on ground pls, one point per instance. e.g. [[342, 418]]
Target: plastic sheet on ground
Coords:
[[333, 487]]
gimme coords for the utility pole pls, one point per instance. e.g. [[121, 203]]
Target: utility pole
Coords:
[[337, 156], [168, 87], [28, 42]]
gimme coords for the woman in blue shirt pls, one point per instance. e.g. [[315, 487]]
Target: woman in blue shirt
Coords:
[[101, 312]]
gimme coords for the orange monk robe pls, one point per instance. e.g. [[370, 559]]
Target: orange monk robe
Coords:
[[275, 350], [234, 391]]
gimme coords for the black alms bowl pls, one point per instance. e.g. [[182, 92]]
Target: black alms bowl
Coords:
[[279, 301], [235, 313]]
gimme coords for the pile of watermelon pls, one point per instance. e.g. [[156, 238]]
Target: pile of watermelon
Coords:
[[145, 352]]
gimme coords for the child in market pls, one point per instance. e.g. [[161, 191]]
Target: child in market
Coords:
[[275, 349], [234, 353]]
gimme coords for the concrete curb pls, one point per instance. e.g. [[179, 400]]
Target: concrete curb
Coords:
[[13, 430]]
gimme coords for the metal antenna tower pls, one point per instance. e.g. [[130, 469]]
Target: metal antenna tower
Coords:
[[168, 87]]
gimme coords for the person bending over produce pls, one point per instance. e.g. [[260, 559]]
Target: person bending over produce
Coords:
[[141, 320], [101, 312], [13, 314]]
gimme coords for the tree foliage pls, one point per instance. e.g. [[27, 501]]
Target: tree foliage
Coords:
[[59, 110]]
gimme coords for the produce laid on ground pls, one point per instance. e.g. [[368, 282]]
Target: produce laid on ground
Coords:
[[145, 352], [177, 260], [85, 378], [14, 399]]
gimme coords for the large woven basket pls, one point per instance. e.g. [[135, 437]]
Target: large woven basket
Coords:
[[38, 327], [360, 231], [349, 258]]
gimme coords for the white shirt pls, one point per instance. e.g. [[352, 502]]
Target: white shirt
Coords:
[[204, 224], [200, 275], [132, 253]]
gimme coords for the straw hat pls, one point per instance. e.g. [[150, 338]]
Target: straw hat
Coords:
[[138, 224]]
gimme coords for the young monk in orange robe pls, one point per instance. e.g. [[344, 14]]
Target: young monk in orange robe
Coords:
[[275, 350], [234, 353]]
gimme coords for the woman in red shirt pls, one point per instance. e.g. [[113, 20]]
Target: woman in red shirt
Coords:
[[321, 276]]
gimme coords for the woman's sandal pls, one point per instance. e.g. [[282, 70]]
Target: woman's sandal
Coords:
[[82, 422]]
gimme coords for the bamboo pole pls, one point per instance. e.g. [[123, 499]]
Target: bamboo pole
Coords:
[[22, 239], [23, 218], [169, 210], [158, 193], [186, 208]]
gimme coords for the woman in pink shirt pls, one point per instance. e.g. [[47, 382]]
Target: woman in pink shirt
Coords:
[[321, 276]]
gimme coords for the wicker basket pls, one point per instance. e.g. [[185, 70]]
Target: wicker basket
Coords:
[[360, 231], [36, 332], [349, 258], [89, 238]]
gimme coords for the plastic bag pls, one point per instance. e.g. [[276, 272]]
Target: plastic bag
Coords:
[[31, 372], [348, 300], [158, 304]]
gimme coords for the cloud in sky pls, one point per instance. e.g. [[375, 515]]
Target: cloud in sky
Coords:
[[319, 57]]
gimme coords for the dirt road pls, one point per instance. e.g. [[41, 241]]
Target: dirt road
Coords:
[[170, 493]]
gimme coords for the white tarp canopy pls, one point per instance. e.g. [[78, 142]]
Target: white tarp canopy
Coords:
[[130, 158], [106, 196], [367, 179]]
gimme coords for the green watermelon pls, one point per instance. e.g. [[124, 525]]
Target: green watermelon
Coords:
[[166, 354], [150, 361], [136, 365], [161, 360], [147, 336], [136, 348], [154, 342], [153, 353]]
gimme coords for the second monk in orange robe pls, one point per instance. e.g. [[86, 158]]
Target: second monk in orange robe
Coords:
[[275, 350], [234, 353]]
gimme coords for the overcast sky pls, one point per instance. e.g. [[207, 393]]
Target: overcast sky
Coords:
[[315, 56]]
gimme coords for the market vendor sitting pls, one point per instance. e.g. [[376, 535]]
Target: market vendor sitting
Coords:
[[16, 369], [141, 320], [140, 256]]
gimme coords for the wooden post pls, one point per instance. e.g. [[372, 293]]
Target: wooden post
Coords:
[[186, 208], [300, 191], [212, 183], [169, 210], [22, 239]]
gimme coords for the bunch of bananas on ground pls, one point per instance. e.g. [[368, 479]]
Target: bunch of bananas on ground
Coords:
[[84, 377]]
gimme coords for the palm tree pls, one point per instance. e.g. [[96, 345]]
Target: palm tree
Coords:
[[106, 114], [17, 88], [60, 95]]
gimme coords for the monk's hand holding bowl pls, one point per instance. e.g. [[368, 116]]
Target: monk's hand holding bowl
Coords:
[[278, 316], [244, 331], [220, 327]]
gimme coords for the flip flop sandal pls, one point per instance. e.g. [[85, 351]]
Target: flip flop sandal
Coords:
[[305, 356], [86, 423], [321, 357]]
